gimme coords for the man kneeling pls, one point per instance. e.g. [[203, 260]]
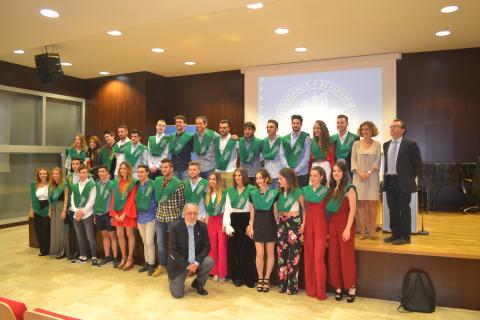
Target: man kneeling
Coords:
[[189, 246]]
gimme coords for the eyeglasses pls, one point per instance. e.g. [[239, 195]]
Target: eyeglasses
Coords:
[[395, 126]]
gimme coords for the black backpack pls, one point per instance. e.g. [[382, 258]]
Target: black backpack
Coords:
[[417, 293]]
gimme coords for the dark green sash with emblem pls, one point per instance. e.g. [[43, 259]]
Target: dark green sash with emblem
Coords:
[[264, 201], [74, 153], [271, 153], [81, 199], [195, 195], [142, 198], [107, 157], [293, 153], [238, 201], [156, 149], [175, 147], [343, 150], [223, 158], [317, 152], [101, 198], [334, 203], [247, 155], [162, 195], [132, 157], [213, 208], [120, 149], [315, 196], [201, 148], [119, 197], [54, 193], [35, 204], [285, 203]]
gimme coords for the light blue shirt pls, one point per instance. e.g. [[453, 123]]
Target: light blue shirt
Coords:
[[302, 167], [274, 166], [253, 167], [207, 161]]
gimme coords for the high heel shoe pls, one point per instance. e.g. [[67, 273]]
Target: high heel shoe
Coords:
[[266, 285], [338, 294], [260, 285], [122, 264], [351, 297], [129, 265]]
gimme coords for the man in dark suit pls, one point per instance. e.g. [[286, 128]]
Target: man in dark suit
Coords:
[[402, 165], [189, 247]]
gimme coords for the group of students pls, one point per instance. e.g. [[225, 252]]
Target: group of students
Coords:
[[287, 190]]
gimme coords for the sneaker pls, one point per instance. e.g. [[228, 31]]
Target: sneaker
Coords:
[[158, 271], [116, 262], [95, 262], [106, 260], [151, 270], [79, 260], [144, 268]]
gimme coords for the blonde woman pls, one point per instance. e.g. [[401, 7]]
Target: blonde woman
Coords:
[[58, 203]]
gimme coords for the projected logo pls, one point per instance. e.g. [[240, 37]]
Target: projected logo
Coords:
[[317, 100]]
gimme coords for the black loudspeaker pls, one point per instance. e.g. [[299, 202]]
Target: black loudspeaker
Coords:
[[48, 66]]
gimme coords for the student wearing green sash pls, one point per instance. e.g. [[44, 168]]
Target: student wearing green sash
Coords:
[[83, 202], [215, 205], [273, 153], [315, 234], [94, 156], [297, 150], [108, 156], [124, 213], [290, 229], [39, 209], [57, 211], [226, 153], [341, 206], [195, 188], [136, 153], [236, 219], [323, 150], [78, 149], [181, 147], [343, 141], [104, 189], [250, 151], [146, 209], [204, 146], [72, 179], [263, 226], [119, 147], [157, 149]]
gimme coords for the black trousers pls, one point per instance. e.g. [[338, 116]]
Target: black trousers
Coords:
[[42, 232], [398, 203]]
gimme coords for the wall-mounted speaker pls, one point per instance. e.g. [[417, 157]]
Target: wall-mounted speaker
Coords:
[[48, 66]]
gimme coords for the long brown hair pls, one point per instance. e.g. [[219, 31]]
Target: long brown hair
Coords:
[[37, 175], [292, 182], [129, 179], [321, 172], [324, 141], [343, 183], [83, 143], [53, 184], [218, 192]]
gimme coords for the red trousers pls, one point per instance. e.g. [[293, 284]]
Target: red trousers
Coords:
[[218, 246], [341, 254], [315, 238]]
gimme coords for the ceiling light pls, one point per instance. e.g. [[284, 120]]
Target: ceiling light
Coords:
[[158, 50], [255, 6], [281, 30], [301, 49], [104, 73], [67, 64], [19, 51], [49, 13], [443, 33], [114, 33], [449, 9], [190, 63]]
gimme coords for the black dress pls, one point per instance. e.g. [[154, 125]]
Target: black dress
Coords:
[[264, 225]]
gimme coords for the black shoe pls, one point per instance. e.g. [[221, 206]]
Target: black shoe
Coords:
[[106, 260], [95, 262], [401, 241], [266, 285], [201, 290], [144, 268], [338, 295], [351, 297], [238, 283], [260, 285], [60, 256], [390, 239], [41, 254], [250, 285], [151, 269], [79, 260], [194, 283]]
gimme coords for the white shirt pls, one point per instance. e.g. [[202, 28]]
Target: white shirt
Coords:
[[392, 170], [295, 206], [232, 165], [42, 193], [88, 208], [228, 211], [274, 166], [120, 156], [155, 161]]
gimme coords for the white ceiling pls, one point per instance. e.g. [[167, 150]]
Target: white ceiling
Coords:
[[223, 34]]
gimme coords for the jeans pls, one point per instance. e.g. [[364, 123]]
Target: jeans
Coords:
[[161, 229]]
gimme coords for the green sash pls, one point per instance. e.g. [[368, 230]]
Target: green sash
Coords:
[[35, 204], [132, 157], [334, 204], [54, 193], [317, 152], [120, 198], [101, 204], [314, 196], [271, 153], [194, 196], [238, 201], [286, 203], [214, 209], [161, 195], [117, 149], [264, 201], [80, 199], [343, 150], [223, 158], [156, 149], [201, 149], [73, 153], [248, 155], [175, 147], [142, 199], [107, 158], [293, 154]]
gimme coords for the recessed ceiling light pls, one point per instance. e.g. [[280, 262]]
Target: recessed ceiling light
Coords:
[[67, 64], [449, 9], [443, 33], [114, 33], [255, 6], [19, 51], [49, 13], [281, 30], [158, 50], [301, 49], [104, 73], [190, 63]]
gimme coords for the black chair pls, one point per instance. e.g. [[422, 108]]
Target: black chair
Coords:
[[475, 188]]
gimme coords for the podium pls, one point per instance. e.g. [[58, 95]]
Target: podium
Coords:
[[413, 207]]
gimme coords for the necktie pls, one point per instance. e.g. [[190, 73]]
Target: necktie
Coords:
[[191, 245], [392, 165]]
